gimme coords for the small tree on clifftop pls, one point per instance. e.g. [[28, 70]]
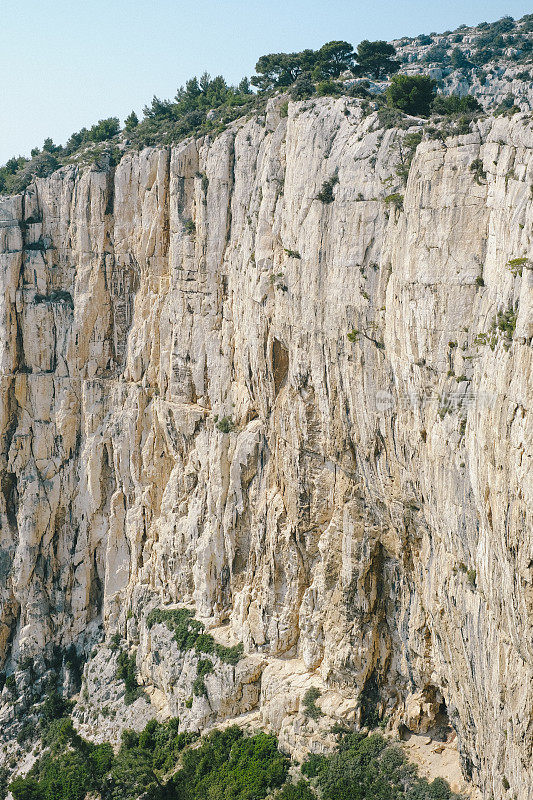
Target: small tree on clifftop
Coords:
[[131, 121], [412, 94], [376, 59]]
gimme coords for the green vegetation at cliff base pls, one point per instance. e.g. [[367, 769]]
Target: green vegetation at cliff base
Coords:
[[162, 763]]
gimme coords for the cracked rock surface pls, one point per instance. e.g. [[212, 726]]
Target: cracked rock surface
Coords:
[[184, 421]]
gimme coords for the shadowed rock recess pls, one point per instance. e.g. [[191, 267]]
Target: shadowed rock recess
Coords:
[[186, 424]]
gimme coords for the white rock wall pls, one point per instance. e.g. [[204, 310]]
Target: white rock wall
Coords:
[[368, 515]]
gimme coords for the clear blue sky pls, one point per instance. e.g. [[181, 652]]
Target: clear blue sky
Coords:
[[64, 65]]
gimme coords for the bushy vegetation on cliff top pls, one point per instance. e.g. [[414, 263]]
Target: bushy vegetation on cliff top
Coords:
[[160, 763], [207, 104], [203, 105]]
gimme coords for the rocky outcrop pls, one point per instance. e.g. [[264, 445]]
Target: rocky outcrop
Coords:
[[502, 76], [185, 421]]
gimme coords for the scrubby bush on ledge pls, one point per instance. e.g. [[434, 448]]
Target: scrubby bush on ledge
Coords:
[[309, 703], [127, 672], [326, 195], [189, 634]]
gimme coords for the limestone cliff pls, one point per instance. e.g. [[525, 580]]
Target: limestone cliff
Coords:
[[186, 422]]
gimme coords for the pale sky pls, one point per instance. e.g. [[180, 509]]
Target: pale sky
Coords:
[[65, 65]]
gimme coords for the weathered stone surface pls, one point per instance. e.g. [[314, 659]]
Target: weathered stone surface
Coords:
[[367, 517]]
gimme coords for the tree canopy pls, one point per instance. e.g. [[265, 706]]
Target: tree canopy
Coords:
[[159, 763], [412, 94], [453, 104], [333, 58], [283, 69], [376, 59]]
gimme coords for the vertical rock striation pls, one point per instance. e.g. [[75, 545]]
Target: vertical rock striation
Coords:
[[185, 420]]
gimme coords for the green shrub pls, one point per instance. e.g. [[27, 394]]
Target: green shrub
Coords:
[[368, 767], [326, 195], [27, 732], [225, 425], [205, 667], [104, 129], [507, 106], [412, 94], [296, 791], [436, 54], [452, 104], [389, 117], [505, 322], [359, 89], [26, 789], [471, 575], [68, 770], [309, 703], [131, 121], [355, 333], [276, 281], [477, 168], [132, 773], [55, 706], [313, 765], [407, 150], [516, 265], [329, 88], [181, 622], [127, 672], [40, 166], [230, 765], [458, 60], [189, 634], [395, 200], [302, 88], [4, 780]]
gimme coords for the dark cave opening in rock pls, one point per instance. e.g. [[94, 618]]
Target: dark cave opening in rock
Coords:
[[280, 364], [8, 487]]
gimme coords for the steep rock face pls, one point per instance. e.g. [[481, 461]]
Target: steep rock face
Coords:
[[184, 419]]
